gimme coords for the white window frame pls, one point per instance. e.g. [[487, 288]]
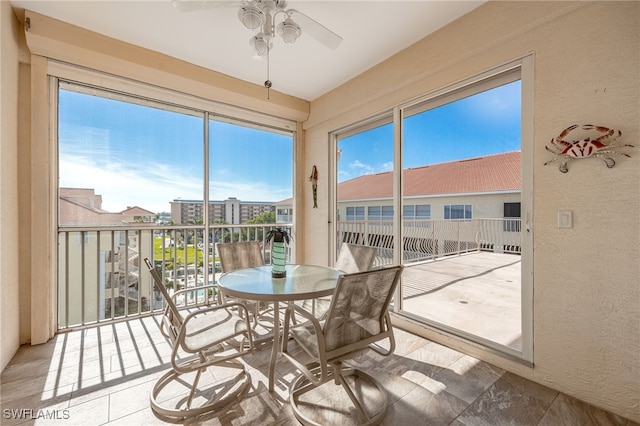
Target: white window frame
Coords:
[[450, 208], [116, 86]]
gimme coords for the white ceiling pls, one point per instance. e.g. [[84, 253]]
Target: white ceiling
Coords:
[[214, 38]]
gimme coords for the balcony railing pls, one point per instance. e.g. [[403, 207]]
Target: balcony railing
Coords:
[[99, 276], [432, 238], [99, 268]]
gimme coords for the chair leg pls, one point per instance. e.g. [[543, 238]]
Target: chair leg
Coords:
[[194, 387], [303, 385], [340, 377], [173, 408]]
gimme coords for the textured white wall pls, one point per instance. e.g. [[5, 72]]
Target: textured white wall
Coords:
[[586, 279], [9, 236]]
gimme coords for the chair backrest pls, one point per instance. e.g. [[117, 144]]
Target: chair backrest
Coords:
[[172, 318], [359, 306], [246, 254], [355, 258]]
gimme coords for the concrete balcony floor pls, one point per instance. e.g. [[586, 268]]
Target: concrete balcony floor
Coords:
[[478, 293], [103, 376]]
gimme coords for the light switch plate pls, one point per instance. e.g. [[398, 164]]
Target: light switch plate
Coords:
[[565, 219]]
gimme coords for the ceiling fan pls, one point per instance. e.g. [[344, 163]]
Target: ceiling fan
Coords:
[[262, 15]]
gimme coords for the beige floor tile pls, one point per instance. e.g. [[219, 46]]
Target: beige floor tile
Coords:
[[26, 409], [510, 400], [129, 401], [468, 378], [104, 375], [93, 412], [568, 411], [144, 417], [423, 407]]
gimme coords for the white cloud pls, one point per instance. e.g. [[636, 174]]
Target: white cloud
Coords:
[[387, 167], [153, 186], [361, 168]]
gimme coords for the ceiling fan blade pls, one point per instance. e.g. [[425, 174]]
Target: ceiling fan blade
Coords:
[[315, 29], [191, 5]]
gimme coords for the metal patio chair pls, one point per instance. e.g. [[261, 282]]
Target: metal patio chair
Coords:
[[200, 337], [239, 255], [355, 258], [351, 258], [357, 319]]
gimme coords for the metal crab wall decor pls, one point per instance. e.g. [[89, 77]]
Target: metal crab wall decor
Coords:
[[602, 147]]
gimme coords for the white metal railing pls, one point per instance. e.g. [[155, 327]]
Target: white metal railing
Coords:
[[101, 275], [431, 238]]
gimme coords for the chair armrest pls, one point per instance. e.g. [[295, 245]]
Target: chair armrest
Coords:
[[303, 312], [319, 357], [214, 308], [209, 338], [389, 334], [241, 327]]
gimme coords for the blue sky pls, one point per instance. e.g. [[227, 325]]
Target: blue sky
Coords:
[[136, 155], [139, 155], [487, 123]]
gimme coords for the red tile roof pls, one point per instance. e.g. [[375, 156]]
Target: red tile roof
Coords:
[[499, 172], [138, 211]]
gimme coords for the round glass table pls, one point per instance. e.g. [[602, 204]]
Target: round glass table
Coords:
[[302, 282]]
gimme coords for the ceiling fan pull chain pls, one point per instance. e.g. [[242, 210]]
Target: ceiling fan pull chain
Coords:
[[268, 83]]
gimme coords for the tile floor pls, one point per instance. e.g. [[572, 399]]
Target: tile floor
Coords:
[[103, 376]]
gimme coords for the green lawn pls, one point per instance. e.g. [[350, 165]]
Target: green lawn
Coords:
[[183, 256]]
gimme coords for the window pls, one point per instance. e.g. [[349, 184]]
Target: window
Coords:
[[374, 213], [364, 171], [380, 213], [284, 215], [132, 158], [511, 217], [387, 212], [118, 151], [416, 212], [457, 211], [249, 163], [355, 213]]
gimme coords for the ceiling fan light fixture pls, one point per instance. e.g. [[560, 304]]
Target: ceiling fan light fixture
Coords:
[[251, 16], [260, 44], [289, 30]]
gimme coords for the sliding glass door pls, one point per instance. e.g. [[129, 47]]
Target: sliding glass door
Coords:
[[461, 211], [365, 176], [453, 217]]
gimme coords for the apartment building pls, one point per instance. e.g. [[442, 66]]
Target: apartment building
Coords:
[[230, 211]]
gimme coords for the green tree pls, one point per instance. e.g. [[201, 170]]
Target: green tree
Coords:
[[258, 233], [197, 233], [266, 217]]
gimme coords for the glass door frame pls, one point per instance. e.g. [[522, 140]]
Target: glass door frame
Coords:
[[525, 65]]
